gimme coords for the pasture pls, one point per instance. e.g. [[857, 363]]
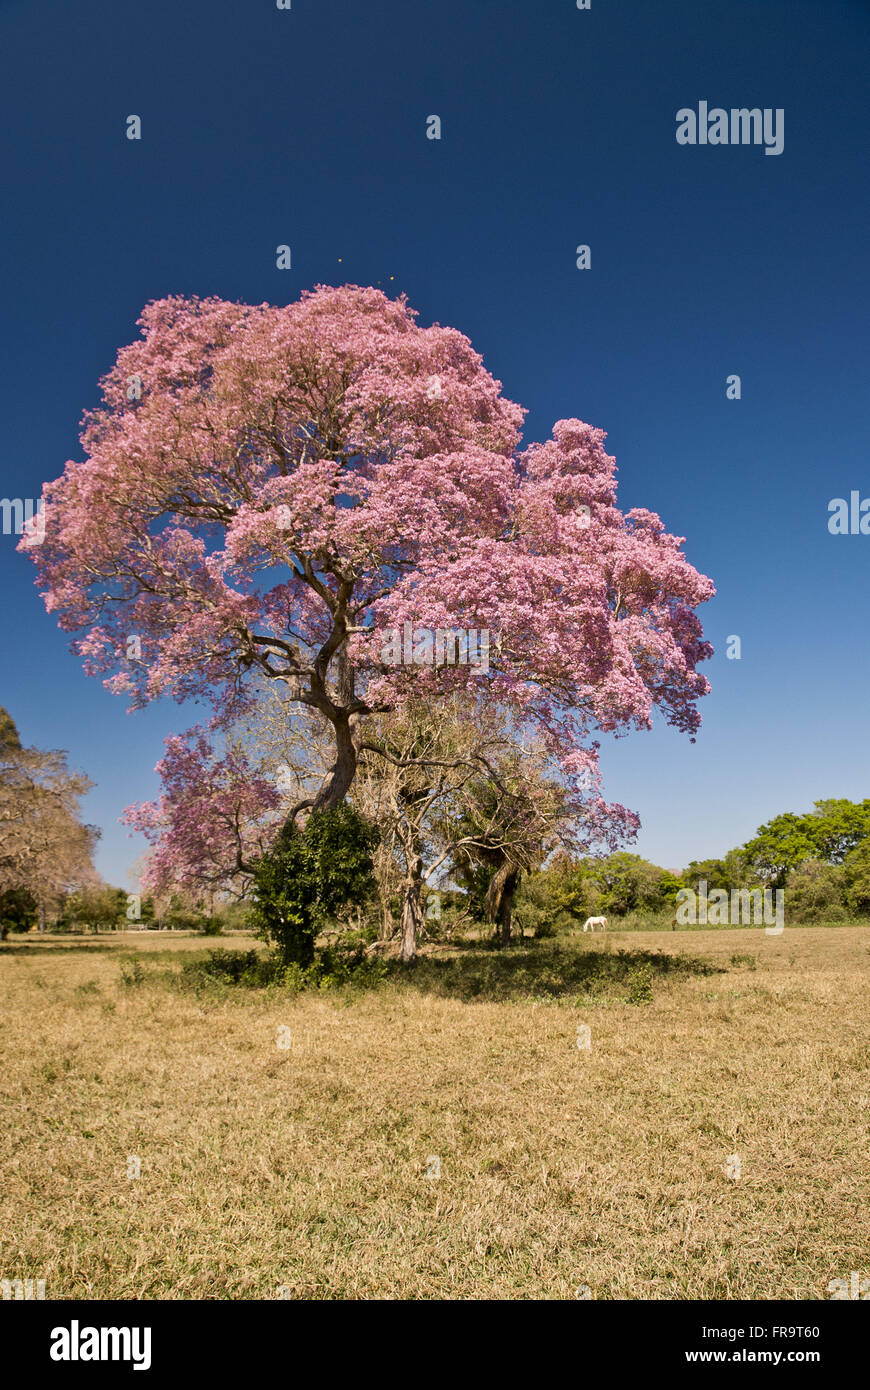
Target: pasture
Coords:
[[448, 1134]]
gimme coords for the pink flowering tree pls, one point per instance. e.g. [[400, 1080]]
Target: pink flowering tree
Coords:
[[272, 493], [216, 814]]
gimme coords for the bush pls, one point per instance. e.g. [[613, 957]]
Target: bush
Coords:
[[132, 974], [640, 983], [231, 967], [642, 921], [856, 875], [179, 917], [533, 908], [17, 911], [309, 876], [814, 893], [341, 964], [622, 887], [739, 958], [235, 916]]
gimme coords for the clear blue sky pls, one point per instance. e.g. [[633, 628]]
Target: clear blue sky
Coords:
[[308, 127]]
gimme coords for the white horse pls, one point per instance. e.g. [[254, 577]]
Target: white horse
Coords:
[[592, 922]]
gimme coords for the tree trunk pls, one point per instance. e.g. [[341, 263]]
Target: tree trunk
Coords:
[[339, 779], [412, 912], [343, 711], [499, 900], [386, 928]]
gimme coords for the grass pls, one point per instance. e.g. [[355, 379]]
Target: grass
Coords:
[[285, 1139]]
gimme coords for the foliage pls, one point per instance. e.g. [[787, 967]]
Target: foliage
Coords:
[[95, 907], [619, 885], [294, 484], [779, 846], [132, 974], [640, 983], [732, 871], [828, 834], [234, 916], [45, 848], [343, 963], [839, 826], [856, 878], [9, 740], [815, 892], [180, 914], [215, 814], [823, 857], [309, 875], [18, 911], [628, 883], [232, 967], [534, 907]]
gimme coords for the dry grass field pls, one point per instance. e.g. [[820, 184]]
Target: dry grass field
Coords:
[[309, 1170]]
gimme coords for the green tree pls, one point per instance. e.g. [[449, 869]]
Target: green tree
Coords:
[[556, 898], [18, 911], [181, 915], [815, 892], [576, 891], [732, 871], [779, 846], [96, 907], [856, 878], [827, 833], [628, 883], [838, 827], [534, 906], [310, 875]]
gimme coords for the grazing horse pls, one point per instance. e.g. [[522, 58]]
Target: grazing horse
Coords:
[[592, 922]]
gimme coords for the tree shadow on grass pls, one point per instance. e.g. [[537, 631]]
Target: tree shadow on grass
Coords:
[[538, 972]]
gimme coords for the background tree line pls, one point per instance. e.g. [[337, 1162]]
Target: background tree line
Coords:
[[46, 850], [457, 821], [821, 859]]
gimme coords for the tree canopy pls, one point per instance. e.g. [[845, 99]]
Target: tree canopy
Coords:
[[268, 492], [45, 849]]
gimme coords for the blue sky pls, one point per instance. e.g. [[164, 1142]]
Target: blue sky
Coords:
[[308, 127]]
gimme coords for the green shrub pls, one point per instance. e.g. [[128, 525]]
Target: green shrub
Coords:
[[814, 893], [309, 876], [640, 982], [856, 875], [132, 973], [230, 967], [340, 964], [18, 910]]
